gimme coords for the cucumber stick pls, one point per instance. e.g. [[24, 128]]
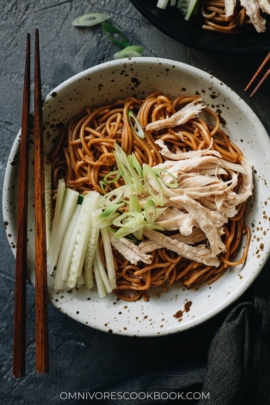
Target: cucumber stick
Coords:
[[162, 4], [59, 230], [109, 257], [91, 248], [59, 203], [100, 286], [90, 202], [191, 8], [102, 272], [48, 202], [66, 251]]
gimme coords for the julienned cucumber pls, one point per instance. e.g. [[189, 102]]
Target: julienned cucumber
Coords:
[[89, 203], [59, 229], [191, 8]]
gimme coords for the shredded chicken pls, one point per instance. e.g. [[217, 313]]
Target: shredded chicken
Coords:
[[229, 7], [196, 236], [196, 210], [253, 11], [203, 218], [198, 253], [130, 251], [191, 110], [185, 155], [264, 6]]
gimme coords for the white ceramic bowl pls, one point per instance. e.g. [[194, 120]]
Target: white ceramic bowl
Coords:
[[140, 77]]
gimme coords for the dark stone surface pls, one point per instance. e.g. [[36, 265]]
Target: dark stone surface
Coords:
[[81, 358]]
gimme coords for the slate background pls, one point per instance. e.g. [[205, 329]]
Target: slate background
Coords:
[[81, 358]]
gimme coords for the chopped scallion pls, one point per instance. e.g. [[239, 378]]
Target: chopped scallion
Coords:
[[110, 29], [135, 125], [90, 19]]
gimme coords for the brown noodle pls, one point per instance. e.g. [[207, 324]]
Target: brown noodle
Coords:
[[84, 156]]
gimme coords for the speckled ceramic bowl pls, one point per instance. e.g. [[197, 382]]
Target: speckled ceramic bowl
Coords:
[[177, 309]]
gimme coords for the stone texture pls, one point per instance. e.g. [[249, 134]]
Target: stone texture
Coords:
[[81, 358]]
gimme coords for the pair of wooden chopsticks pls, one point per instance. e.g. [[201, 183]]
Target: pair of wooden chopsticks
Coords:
[[41, 334], [257, 73]]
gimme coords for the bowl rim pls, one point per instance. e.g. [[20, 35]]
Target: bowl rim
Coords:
[[188, 69]]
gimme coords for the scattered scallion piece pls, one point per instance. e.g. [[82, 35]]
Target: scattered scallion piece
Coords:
[[129, 52], [90, 19], [135, 125], [110, 29]]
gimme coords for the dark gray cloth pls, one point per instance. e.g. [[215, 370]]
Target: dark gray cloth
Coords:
[[237, 371]]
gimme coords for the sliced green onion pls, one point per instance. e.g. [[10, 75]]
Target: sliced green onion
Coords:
[[170, 185], [135, 125], [111, 209], [107, 222], [152, 183], [150, 211], [110, 29], [129, 52], [115, 196], [124, 231], [127, 170], [106, 182], [134, 205], [131, 219], [136, 164], [88, 20], [114, 180], [156, 227]]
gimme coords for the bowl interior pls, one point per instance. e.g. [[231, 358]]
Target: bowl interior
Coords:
[[172, 23], [139, 77]]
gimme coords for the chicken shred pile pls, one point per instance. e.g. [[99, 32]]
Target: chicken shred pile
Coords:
[[198, 208], [253, 8]]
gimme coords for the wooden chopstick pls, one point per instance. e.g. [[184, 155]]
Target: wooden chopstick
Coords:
[[255, 76], [42, 347], [19, 332]]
